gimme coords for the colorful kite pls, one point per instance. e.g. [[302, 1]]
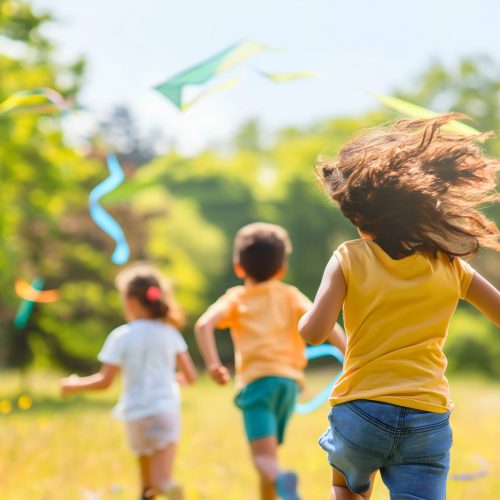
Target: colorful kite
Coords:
[[202, 72], [287, 77], [413, 111], [26, 307], [27, 292], [40, 100], [102, 218], [211, 91], [315, 352]]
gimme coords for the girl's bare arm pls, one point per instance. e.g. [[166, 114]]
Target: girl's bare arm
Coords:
[[338, 338], [485, 298], [100, 380], [318, 323], [186, 366]]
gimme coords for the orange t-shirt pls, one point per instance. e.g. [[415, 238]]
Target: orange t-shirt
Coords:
[[396, 317], [263, 320]]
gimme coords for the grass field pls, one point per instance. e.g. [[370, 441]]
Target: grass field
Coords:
[[72, 450]]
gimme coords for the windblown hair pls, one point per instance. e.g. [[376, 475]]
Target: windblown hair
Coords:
[[415, 187], [153, 292], [261, 249]]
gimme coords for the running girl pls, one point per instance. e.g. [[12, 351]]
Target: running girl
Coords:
[[148, 350], [412, 191]]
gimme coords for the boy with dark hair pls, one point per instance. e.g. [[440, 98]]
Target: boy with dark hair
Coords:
[[262, 315]]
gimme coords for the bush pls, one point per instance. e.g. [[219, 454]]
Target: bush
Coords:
[[473, 344]]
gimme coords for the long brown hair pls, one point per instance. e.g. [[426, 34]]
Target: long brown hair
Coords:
[[413, 186], [152, 290]]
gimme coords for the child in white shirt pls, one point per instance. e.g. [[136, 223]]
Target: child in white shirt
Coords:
[[148, 350]]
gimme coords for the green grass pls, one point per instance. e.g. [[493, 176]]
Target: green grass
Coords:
[[59, 450]]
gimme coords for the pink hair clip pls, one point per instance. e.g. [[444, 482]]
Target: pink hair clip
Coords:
[[153, 293]]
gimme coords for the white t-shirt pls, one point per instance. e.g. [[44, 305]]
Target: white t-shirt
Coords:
[[145, 351]]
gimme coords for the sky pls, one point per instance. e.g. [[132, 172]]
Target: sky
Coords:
[[354, 46]]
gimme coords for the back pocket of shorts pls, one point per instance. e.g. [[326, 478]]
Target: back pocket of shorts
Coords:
[[428, 446], [359, 434]]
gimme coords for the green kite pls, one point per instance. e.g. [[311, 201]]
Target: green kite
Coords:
[[287, 77], [204, 71]]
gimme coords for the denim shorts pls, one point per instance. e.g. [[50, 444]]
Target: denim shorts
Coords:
[[267, 405], [411, 448]]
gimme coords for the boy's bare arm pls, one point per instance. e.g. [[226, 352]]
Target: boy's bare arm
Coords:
[[205, 338], [484, 297], [100, 380]]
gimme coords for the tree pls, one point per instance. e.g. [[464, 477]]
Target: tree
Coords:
[[120, 133], [179, 213], [44, 225]]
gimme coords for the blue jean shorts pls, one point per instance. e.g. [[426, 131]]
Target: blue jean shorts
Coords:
[[411, 448]]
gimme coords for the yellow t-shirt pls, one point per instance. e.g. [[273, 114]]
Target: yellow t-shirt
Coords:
[[396, 317], [263, 320]]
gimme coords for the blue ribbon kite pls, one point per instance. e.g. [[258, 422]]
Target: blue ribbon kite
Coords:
[[314, 352], [102, 218]]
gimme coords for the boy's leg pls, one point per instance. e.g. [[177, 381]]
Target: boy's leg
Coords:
[[265, 458], [340, 491], [265, 422]]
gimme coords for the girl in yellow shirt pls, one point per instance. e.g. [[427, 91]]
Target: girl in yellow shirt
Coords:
[[412, 191]]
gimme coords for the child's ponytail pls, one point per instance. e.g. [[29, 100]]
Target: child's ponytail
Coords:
[[152, 291]]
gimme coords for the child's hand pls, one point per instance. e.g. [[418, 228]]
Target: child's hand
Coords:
[[181, 379], [67, 385], [219, 374]]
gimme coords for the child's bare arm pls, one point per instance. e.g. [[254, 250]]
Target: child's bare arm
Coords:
[[186, 367], [100, 380], [484, 297], [318, 323], [205, 338], [337, 338]]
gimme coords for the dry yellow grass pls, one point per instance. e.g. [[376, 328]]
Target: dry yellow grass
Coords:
[[72, 450]]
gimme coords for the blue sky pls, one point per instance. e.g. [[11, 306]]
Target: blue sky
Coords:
[[131, 45]]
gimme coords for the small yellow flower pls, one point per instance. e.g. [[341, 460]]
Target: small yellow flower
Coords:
[[5, 406], [24, 402]]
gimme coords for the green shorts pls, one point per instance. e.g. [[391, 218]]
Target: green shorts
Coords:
[[267, 404]]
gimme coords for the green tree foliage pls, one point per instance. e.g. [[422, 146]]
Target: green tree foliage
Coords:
[[44, 226], [179, 213], [473, 345]]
